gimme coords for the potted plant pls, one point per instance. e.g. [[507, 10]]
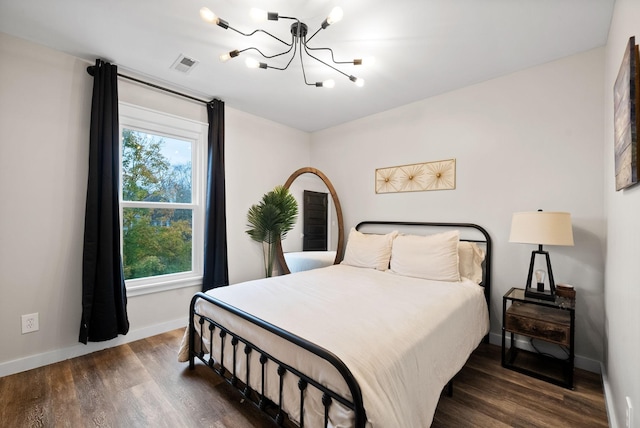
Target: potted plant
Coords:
[[270, 220]]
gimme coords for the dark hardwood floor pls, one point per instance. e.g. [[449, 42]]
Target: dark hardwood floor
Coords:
[[141, 384]]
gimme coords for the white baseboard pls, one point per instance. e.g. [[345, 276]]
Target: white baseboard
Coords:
[[579, 361], [46, 358], [608, 397]]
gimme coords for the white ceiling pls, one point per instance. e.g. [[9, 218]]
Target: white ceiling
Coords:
[[421, 47]]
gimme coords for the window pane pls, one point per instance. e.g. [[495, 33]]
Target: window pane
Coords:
[[155, 168], [156, 241]]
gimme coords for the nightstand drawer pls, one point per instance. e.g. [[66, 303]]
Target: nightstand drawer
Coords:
[[549, 324]]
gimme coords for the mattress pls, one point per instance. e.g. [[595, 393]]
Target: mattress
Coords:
[[402, 338]]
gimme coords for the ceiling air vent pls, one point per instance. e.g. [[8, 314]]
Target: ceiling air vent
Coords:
[[184, 64]]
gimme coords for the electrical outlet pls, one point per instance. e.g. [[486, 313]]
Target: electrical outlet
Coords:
[[629, 414], [30, 323]]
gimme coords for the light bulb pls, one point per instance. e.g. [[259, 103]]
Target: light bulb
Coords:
[[252, 63], [540, 275], [258, 15], [335, 15], [369, 61], [329, 83], [228, 55], [207, 15], [358, 81]]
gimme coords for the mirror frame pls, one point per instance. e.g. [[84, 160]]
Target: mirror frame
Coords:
[[336, 203]]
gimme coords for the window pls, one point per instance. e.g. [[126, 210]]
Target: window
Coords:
[[162, 180]]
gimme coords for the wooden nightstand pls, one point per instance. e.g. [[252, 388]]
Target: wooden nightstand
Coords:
[[551, 322]]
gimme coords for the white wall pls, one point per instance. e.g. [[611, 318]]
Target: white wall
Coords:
[[45, 108], [43, 167], [622, 291], [529, 140]]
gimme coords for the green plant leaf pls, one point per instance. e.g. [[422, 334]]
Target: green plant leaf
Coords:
[[271, 218]]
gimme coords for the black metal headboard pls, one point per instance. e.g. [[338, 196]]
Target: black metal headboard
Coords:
[[486, 240]]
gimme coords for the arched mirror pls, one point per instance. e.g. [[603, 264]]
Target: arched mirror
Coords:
[[317, 238]]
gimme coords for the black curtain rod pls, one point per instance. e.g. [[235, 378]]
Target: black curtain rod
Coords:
[[91, 71]]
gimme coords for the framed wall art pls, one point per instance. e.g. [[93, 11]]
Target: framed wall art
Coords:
[[625, 102], [417, 177]]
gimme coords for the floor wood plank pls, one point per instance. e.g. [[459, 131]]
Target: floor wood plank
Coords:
[[142, 384]]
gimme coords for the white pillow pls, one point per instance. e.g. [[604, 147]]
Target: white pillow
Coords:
[[430, 257], [470, 258], [368, 250]]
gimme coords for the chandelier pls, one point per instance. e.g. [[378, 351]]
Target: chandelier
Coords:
[[299, 43]]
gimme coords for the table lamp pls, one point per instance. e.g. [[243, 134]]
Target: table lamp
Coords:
[[541, 228]]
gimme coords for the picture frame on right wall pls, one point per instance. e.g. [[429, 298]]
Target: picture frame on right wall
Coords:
[[625, 104]]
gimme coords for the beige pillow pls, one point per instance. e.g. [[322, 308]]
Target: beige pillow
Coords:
[[430, 257], [368, 250], [470, 258]]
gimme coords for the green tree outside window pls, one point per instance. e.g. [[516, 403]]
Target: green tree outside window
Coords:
[[156, 241]]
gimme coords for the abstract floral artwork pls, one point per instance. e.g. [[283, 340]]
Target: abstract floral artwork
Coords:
[[417, 177]]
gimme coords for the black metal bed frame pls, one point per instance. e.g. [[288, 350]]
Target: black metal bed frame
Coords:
[[258, 397]]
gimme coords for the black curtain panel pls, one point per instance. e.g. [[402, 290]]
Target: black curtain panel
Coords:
[[216, 270], [104, 297]]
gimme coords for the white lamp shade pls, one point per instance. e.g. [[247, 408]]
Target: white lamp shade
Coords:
[[541, 228]]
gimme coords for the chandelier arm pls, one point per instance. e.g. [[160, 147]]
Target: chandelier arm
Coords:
[[260, 31], [295, 45], [313, 35], [330, 50], [267, 56], [304, 75], [327, 64], [301, 40]]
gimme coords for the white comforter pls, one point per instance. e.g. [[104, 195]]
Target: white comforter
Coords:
[[402, 338]]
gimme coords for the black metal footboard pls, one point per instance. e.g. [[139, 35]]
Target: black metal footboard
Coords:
[[207, 327]]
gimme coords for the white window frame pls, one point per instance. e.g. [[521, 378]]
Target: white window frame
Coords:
[[163, 124]]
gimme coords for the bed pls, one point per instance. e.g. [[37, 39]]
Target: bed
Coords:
[[365, 343]]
